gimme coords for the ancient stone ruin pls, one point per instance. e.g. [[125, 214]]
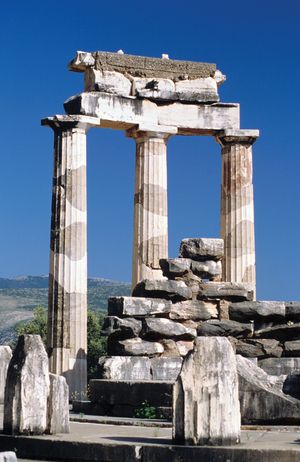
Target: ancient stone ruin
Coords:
[[151, 99], [5, 357], [34, 403]]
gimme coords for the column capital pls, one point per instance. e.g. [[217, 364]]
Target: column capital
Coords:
[[145, 131], [228, 137], [68, 122]]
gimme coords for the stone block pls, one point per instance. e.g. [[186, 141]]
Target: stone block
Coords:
[[107, 82], [231, 291], [137, 306], [156, 89], [292, 348], [206, 408], [166, 369], [27, 388], [157, 328], [203, 90], [197, 310], [225, 328], [184, 347], [281, 332], [199, 116], [134, 347], [58, 405], [121, 327], [280, 366], [292, 311], [263, 311], [170, 348], [202, 249], [174, 267], [175, 291], [8, 456], [259, 348], [119, 112], [130, 393], [208, 269], [262, 399], [125, 368], [115, 111], [5, 357]]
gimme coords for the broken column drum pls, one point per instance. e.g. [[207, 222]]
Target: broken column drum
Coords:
[[150, 99]]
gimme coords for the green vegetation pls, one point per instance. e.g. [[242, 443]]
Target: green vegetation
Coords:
[[96, 342], [38, 325], [146, 411]]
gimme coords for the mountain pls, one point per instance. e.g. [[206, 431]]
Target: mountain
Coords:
[[19, 296]]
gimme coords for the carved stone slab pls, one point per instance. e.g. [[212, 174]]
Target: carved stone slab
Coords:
[[27, 388], [206, 409]]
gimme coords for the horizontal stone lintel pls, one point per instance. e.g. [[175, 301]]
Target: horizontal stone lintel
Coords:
[[119, 112], [141, 66]]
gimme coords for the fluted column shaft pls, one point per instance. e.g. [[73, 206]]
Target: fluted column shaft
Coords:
[[237, 210], [67, 307], [150, 241]]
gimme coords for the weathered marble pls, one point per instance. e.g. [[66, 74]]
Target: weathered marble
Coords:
[[292, 348], [8, 456], [166, 369], [156, 89], [259, 348], [137, 306], [134, 347], [58, 405], [198, 310], [150, 241], [106, 81], [121, 327], [27, 388], [201, 90], [119, 112], [201, 249], [172, 290], [67, 310], [263, 311], [125, 368], [156, 328], [224, 290], [174, 267], [214, 327], [208, 269], [280, 366], [237, 209], [5, 357], [184, 347], [262, 399], [280, 332], [143, 66], [206, 409]]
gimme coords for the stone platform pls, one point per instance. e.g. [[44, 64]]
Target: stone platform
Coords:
[[115, 443]]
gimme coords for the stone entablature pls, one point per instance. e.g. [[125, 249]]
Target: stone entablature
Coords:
[[156, 79], [141, 66]]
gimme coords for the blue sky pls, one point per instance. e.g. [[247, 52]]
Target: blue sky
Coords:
[[255, 43]]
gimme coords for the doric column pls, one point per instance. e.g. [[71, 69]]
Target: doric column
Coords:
[[237, 207], [150, 240], [67, 308]]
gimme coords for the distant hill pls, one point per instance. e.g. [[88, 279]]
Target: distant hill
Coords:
[[19, 296]]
